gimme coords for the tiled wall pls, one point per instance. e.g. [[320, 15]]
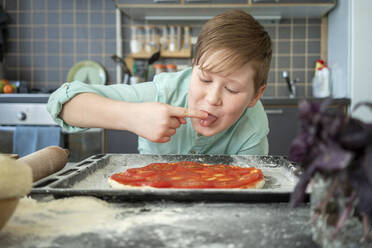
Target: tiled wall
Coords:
[[47, 37]]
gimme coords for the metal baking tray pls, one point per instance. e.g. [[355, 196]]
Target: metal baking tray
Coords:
[[89, 178]]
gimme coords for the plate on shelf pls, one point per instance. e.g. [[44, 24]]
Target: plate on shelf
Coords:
[[87, 71]]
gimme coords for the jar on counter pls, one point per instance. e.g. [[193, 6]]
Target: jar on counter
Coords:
[[171, 67], [154, 39], [147, 39], [186, 37], [158, 68], [164, 37], [136, 44], [179, 38], [172, 38], [151, 39]]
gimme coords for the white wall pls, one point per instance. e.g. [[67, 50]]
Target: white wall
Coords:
[[361, 56], [350, 52], [339, 50]]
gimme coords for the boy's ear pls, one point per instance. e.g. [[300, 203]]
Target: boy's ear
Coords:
[[257, 97]]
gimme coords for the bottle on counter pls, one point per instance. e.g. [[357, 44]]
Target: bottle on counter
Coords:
[[137, 74], [321, 81]]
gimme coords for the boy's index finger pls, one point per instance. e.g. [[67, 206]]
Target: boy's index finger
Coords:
[[188, 112]]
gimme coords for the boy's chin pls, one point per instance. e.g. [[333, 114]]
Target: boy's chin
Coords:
[[204, 131]]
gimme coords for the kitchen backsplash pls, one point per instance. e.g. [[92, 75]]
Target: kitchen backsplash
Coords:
[[47, 37]]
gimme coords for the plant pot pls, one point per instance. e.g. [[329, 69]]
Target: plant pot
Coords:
[[325, 218]]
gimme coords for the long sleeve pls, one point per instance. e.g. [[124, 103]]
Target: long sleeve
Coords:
[[143, 92]]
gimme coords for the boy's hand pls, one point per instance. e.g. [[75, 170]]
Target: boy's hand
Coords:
[[157, 122]]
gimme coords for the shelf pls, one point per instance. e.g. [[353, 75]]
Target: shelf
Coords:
[[200, 12], [163, 54]]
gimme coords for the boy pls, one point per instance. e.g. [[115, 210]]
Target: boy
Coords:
[[211, 108]]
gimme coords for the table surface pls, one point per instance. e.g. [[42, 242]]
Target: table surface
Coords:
[[90, 222]]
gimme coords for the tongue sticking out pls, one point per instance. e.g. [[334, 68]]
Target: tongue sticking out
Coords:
[[208, 121]]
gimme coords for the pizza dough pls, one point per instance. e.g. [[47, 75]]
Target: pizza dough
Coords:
[[15, 178], [188, 175], [115, 185]]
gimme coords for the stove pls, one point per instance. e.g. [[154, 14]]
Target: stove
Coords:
[[30, 110], [24, 109]]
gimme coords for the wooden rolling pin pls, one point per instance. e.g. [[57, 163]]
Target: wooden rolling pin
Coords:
[[46, 161]]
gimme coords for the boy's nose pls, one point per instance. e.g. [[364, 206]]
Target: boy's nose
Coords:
[[214, 96]]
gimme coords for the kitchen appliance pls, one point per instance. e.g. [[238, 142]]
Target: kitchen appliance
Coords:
[[89, 178], [30, 110]]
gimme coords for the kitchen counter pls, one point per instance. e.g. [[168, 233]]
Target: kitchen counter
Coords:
[[295, 101], [90, 222], [43, 98], [24, 98]]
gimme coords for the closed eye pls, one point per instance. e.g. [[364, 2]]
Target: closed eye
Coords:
[[205, 80], [231, 90]]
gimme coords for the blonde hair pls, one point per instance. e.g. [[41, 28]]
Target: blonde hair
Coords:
[[242, 39]]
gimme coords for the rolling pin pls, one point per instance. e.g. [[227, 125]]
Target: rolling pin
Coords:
[[46, 161]]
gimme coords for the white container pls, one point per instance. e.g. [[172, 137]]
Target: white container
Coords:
[[164, 37], [148, 46], [172, 38], [186, 36], [136, 39], [321, 83]]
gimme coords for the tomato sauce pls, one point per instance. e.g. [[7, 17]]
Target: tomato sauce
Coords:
[[189, 175]]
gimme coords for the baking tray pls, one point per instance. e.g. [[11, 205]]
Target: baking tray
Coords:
[[89, 178]]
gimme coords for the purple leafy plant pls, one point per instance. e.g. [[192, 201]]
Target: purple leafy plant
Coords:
[[338, 147]]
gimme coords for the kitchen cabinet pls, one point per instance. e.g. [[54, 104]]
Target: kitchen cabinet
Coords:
[[120, 142], [283, 127], [283, 121]]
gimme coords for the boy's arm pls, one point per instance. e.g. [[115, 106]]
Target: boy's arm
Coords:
[[92, 110], [154, 121], [144, 92]]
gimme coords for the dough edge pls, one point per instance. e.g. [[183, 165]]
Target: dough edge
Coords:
[[116, 185]]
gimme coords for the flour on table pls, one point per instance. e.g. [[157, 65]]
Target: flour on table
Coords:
[[44, 221]]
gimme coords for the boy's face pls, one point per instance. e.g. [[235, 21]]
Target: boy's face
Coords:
[[223, 97]]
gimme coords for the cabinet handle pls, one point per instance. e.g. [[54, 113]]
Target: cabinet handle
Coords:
[[274, 111], [165, 1]]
